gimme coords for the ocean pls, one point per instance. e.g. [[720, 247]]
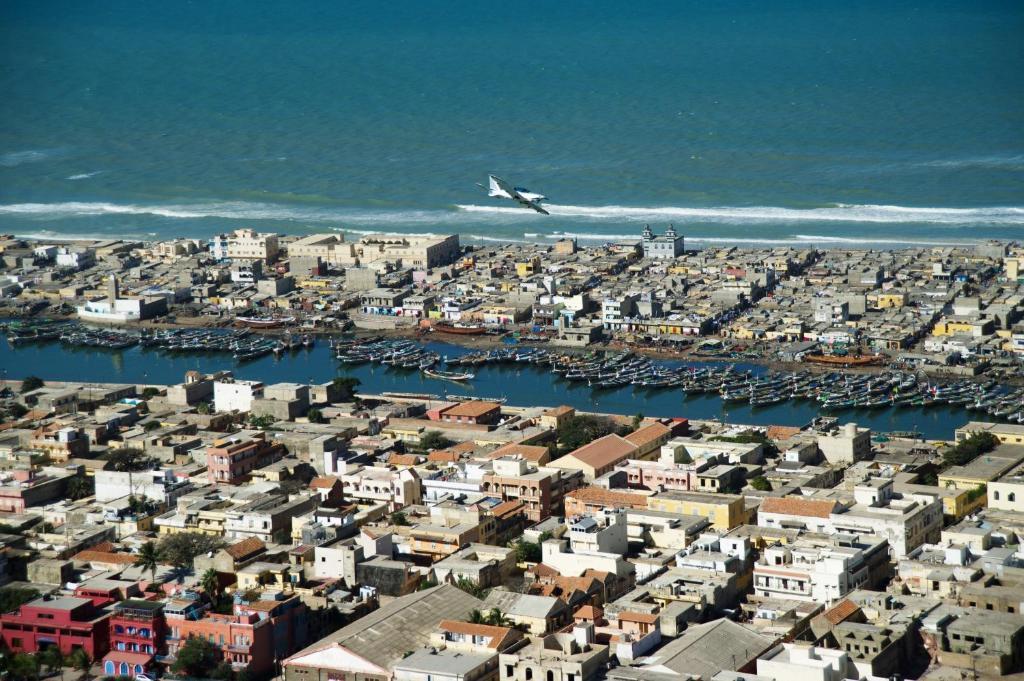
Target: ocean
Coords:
[[880, 124]]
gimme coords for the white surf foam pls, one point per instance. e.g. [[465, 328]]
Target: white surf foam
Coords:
[[996, 215], [83, 176], [17, 158], [240, 210]]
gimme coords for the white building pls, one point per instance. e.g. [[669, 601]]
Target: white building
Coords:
[[75, 258], [596, 542], [667, 246], [906, 521], [803, 662], [373, 486], [161, 486], [247, 244], [236, 395], [815, 572], [1007, 493]]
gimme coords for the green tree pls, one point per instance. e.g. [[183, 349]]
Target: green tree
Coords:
[[969, 448], [149, 426], [197, 657], [31, 383], [583, 429], [496, 618], [346, 387], [433, 439], [528, 551], [222, 672], [13, 597], [471, 587], [80, 486], [761, 483], [638, 420], [129, 460], [80, 660], [315, 416], [181, 549], [51, 658], [15, 410], [24, 667], [399, 518], [266, 578], [148, 559], [477, 617], [261, 422], [210, 582], [203, 408], [149, 393]]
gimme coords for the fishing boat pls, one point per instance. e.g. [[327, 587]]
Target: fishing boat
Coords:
[[449, 375], [461, 329], [267, 322]]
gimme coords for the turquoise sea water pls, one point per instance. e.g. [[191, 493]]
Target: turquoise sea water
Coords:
[[788, 122]]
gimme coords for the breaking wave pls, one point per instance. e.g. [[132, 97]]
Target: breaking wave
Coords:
[[1009, 215], [465, 214]]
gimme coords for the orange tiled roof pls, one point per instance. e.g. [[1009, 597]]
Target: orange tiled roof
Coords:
[[531, 453], [606, 497], [813, 508], [93, 556], [403, 459], [507, 508], [648, 434], [781, 432], [641, 617], [589, 612], [840, 611], [444, 456], [496, 634], [246, 547], [472, 409], [604, 451], [323, 482]]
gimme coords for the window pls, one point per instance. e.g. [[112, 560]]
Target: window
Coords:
[[1011, 497], [529, 673]]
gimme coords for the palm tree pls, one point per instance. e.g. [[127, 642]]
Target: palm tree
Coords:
[[148, 558], [80, 660], [497, 618], [210, 583], [51, 658], [477, 617]]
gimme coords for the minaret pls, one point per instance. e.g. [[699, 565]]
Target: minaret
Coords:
[[113, 289], [648, 234], [671, 231]]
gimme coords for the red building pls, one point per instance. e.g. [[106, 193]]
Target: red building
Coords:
[[245, 640], [66, 623], [137, 634]]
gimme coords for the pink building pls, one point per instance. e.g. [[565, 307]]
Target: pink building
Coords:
[[654, 474]]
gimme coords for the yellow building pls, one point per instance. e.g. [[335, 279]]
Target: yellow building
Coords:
[[262, 574], [983, 469], [971, 327], [884, 301], [724, 511], [528, 267]]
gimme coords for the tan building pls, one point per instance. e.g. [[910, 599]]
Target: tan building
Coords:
[[598, 457], [247, 244]]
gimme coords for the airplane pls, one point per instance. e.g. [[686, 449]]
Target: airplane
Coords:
[[502, 189]]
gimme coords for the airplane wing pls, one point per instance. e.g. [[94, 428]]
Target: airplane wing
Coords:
[[499, 187], [536, 206]]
